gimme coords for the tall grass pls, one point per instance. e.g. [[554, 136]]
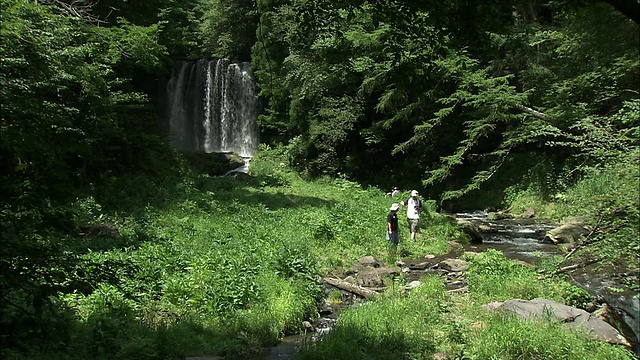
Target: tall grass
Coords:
[[215, 266], [211, 266], [429, 323], [507, 338], [395, 326]]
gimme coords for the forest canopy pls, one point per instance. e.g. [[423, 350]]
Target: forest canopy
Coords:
[[449, 97], [457, 99]]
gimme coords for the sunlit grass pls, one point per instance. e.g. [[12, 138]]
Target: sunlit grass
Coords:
[[221, 265], [429, 323], [506, 338]]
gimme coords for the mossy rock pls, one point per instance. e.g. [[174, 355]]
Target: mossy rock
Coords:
[[214, 164]]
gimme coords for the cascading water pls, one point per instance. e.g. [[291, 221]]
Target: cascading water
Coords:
[[211, 106]]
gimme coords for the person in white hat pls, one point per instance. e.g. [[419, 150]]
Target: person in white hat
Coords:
[[392, 227], [414, 206]]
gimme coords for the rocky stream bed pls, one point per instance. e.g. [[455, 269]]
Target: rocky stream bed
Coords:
[[613, 317]]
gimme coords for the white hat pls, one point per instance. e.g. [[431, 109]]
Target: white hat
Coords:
[[394, 207], [414, 192]]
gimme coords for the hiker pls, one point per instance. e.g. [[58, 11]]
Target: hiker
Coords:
[[392, 226], [414, 206], [394, 192]]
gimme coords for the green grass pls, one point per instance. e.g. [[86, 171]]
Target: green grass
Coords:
[[430, 323], [394, 326], [505, 338], [210, 266]]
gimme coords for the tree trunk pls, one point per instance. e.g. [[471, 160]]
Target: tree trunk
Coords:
[[352, 288]]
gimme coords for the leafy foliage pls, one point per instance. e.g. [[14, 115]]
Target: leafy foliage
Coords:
[[70, 120], [228, 28], [114, 245], [444, 100]]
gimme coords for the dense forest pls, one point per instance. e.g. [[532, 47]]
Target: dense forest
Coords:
[[502, 104]]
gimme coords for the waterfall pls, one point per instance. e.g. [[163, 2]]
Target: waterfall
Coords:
[[211, 106]]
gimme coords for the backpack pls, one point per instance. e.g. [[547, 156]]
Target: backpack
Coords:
[[418, 202]]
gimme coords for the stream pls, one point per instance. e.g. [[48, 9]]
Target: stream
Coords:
[[523, 239], [518, 239]]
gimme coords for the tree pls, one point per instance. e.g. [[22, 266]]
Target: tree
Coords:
[[70, 119], [628, 8], [228, 28], [447, 99]]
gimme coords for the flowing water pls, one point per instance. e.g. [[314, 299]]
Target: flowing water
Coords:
[[211, 106], [523, 239], [241, 169], [520, 239]]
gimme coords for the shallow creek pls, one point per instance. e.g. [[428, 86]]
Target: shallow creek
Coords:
[[519, 239], [523, 239]]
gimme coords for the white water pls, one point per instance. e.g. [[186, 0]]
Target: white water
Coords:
[[240, 169], [211, 106]]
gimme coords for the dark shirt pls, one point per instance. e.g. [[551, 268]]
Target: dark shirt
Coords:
[[392, 218]]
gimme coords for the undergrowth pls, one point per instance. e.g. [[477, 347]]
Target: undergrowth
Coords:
[[428, 322], [197, 265]]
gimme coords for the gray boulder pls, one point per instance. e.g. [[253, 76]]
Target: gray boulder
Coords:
[[572, 317], [528, 213], [471, 230], [454, 265], [566, 234], [369, 261]]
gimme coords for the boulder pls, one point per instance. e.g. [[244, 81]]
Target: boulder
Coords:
[[369, 277], [566, 234], [412, 285], [419, 266], [528, 213], [471, 230], [454, 265], [325, 308], [575, 318], [499, 215], [386, 271], [214, 164], [369, 261]]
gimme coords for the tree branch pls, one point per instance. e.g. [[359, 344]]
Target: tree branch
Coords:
[[572, 267], [75, 8], [531, 111], [352, 288]]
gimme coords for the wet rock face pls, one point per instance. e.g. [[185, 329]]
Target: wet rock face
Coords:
[[471, 230]]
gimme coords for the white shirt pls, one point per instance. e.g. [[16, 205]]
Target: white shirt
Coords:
[[412, 213]]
